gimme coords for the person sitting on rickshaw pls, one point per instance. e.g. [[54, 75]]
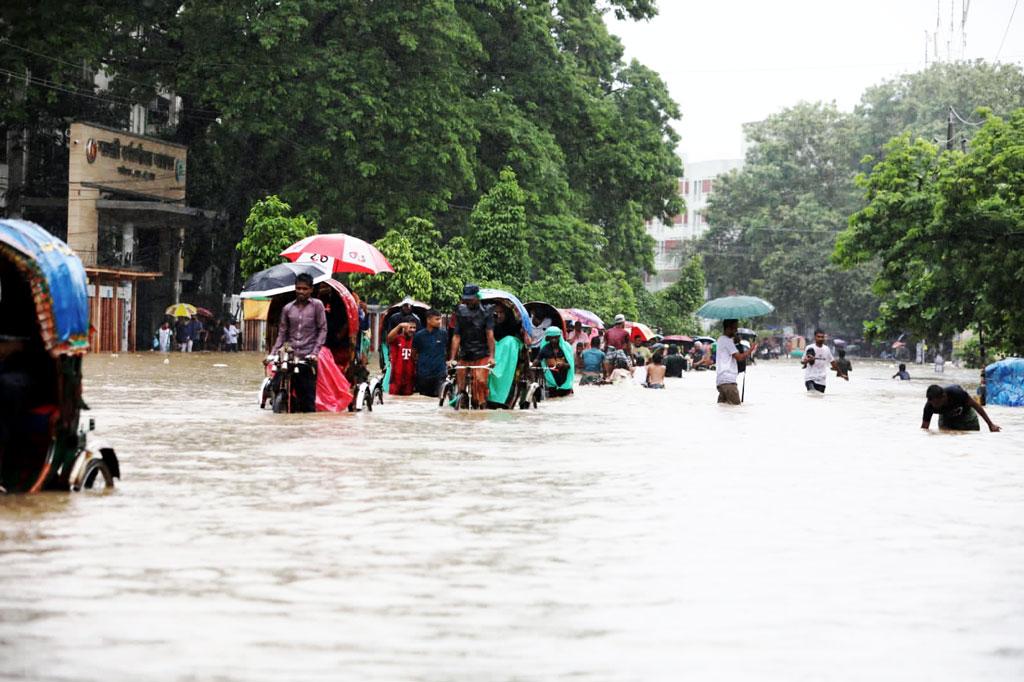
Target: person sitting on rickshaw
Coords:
[[557, 359], [509, 340], [403, 314]]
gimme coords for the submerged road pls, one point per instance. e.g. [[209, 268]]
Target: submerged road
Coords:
[[623, 534]]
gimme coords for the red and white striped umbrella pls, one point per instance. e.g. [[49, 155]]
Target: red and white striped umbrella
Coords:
[[338, 253]]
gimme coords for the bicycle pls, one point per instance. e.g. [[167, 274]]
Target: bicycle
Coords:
[[450, 392], [279, 389], [531, 387]]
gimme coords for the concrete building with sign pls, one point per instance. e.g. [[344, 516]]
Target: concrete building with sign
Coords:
[[127, 220]]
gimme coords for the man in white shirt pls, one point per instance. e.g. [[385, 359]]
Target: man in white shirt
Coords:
[[726, 356], [817, 361]]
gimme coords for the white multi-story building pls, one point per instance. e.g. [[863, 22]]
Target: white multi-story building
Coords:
[[695, 187]]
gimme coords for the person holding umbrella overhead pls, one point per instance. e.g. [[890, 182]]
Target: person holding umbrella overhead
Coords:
[[726, 357], [729, 309]]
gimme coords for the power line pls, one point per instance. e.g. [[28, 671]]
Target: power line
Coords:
[[70, 90], [1007, 31], [118, 77], [963, 120]]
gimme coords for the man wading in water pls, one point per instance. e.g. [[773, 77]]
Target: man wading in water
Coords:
[[726, 355], [957, 410], [817, 361]]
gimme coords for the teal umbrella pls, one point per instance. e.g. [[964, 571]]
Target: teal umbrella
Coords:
[[735, 308]]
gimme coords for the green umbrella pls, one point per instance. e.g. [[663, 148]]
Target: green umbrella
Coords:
[[735, 308]]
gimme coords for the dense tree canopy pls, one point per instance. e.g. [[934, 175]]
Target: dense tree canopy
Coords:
[[366, 114], [774, 223], [947, 228]]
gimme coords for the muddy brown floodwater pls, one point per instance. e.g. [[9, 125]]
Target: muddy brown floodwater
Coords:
[[623, 534]]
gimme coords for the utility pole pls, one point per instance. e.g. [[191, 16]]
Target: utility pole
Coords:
[[949, 129]]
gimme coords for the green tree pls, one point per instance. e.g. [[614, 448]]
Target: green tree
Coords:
[[269, 230], [450, 264], [945, 227], [918, 103], [497, 233], [364, 115], [410, 277], [773, 223]]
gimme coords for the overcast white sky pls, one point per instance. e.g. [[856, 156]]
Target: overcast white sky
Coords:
[[727, 62]]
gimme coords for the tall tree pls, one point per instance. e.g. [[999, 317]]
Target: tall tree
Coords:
[[918, 103], [497, 233], [269, 230], [773, 223], [946, 228]]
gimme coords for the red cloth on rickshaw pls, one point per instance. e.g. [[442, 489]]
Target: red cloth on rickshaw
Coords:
[[333, 392]]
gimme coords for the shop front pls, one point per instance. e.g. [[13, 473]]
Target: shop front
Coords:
[[128, 221]]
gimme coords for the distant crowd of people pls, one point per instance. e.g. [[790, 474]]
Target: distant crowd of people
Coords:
[[191, 334]]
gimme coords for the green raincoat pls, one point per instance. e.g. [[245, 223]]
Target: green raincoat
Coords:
[[570, 357], [506, 360]]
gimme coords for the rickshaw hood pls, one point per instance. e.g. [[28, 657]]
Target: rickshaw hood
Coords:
[[58, 281]]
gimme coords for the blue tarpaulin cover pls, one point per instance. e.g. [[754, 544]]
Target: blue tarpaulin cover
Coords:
[[1004, 383], [58, 284]]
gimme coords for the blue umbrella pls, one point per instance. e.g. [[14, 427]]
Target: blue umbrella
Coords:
[[735, 308]]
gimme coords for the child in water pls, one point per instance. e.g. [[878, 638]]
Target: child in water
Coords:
[[902, 374], [843, 366], [656, 371]]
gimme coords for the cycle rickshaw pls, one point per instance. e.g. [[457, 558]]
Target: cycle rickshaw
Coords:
[[44, 332]]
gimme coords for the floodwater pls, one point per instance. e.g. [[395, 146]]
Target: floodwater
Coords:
[[623, 534]]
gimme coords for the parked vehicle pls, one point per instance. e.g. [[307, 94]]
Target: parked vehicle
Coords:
[[44, 331]]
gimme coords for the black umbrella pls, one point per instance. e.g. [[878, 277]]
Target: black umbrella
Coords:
[[280, 279]]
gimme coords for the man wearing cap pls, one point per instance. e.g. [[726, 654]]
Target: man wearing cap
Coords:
[[618, 337], [473, 342]]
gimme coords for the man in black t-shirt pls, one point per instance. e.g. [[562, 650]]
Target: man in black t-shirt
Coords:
[[957, 410], [675, 364], [473, 341]]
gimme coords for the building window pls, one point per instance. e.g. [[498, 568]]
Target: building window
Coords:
[[705, 186], [687, 184]]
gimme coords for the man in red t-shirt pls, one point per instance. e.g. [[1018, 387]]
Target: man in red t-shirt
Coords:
[[618, 337], [403, 368]]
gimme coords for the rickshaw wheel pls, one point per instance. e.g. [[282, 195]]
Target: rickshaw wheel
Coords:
[[378, 392], [93, 469], [369, 401], [462, 400], [447, 392], [280, 403]]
